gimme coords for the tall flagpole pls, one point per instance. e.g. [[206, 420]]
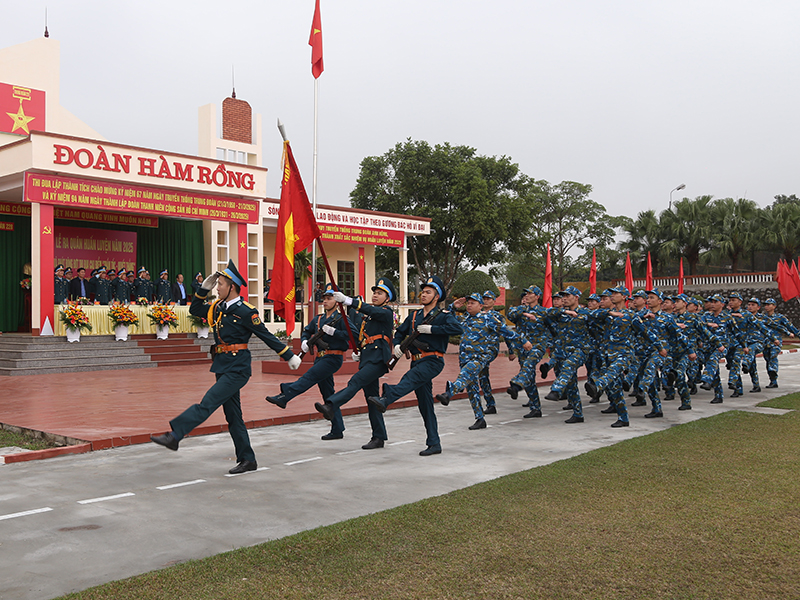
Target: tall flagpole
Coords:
[[314, 201]]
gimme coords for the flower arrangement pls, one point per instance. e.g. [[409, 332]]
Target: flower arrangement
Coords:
[[74, 318], [143, 301], [83, 301], [198, 321], [25, 284], [122, 315], [163, 315]]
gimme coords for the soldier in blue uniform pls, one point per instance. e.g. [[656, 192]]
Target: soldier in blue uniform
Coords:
[[484, 381], [475, 351], [427, 359], [779, 324], [164, 288], [700, 337], [197, 283], [122, 292], [722, 325], [330, 349], [594, 360], [375, 349], [102, 287], [755, 337], [736, 352], [61, 286], [233, 321]]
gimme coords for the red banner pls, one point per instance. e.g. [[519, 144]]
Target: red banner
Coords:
[[91, 248], [87, 193], [22, 109], [361, 235], [76, 214], [6, 226]]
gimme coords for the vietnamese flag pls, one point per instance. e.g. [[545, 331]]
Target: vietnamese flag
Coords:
[[680, 277], [628, 274], [22, 109], [547, 300], [649, 275], [297, 228], [795, 277], [315, 41], [593, 273]]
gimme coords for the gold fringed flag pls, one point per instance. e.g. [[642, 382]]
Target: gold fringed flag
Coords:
[[297, 228]]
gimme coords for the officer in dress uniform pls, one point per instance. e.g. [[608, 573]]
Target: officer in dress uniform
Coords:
[[197, 283], [68, 273], [122, 289], [150, 287], [234, 321], [427, 359], [330, 348], [112, 285], [140, 284], [164, 288], [102, 287], [61, 286], [375, 343]]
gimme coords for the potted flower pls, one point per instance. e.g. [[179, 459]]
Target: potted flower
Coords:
[[83, 301], [122, 317], [200, 325], [75, 321], [163, 317], [25, 284]]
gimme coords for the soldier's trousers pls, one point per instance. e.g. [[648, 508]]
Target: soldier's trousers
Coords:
[[471, 367], [366, 378], [712, 366], [419, 379], [224, 393], [680, 364], [485, 382], [647, 382], [771, 353], [611, 380], [320, 374], [526, 377], [749, 361], [566, 383]]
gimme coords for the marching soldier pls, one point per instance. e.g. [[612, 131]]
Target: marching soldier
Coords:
[[781, 326], [427, 359], [484, 380], [375, 348], [330, 348], [234, 321]]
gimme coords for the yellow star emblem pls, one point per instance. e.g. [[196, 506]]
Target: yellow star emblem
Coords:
[[20, 120], [241, 244]]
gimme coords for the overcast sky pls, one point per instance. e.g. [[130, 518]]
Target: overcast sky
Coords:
[[632, 97]]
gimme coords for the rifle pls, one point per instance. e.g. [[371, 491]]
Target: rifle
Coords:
[[411, 339], [316, 339]]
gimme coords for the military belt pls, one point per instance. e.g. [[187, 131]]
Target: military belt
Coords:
[[375, 338], [426, 354], [229, 348], [324, 352]]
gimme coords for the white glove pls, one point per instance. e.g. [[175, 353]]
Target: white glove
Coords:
[[397, 351], [356, 356], [329, 329], [304, 346], [210, 281], [340, 297], [294, 362], [425, 328]]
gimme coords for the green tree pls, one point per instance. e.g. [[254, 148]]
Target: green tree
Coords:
[[687, 230], [780, 229], [644, 235], [472, 282], [735, 230], [475, 203]]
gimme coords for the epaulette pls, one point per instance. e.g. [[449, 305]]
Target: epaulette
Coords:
[[249, 305]]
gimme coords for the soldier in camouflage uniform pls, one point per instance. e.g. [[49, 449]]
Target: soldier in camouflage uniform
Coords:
[[779, 324], [475, 352], [754, 335], [699, 336], [484, 379], [595, 360], [640, 351], [724, 327]]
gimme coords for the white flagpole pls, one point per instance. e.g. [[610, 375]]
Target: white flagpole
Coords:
[[314, 198]]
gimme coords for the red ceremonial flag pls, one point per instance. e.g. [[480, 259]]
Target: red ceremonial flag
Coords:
[[315, 41], [593, 273], [649, 276], [547, 300], [786, 283], [297, 228], [680, 277], [628, 273], [795, 277]]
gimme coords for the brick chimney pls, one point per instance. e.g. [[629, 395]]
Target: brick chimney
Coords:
[[237, 121]]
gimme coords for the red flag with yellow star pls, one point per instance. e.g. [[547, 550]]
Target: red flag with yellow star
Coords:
[[297, 228], [315, 41], [22, 109]]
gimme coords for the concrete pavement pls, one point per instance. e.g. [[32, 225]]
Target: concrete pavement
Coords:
[[72, 522]]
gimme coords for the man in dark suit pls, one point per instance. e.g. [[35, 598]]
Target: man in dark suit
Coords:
[[233, 321], [79, 287], [179, 293]]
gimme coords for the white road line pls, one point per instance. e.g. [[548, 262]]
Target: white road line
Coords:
[[177, 485], [25, 513], [403, 442], [246, 472], [349, 452], [511, 421], [305, 460], [444, 434], [104, 498]]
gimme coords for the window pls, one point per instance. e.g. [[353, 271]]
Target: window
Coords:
[[346, 276]]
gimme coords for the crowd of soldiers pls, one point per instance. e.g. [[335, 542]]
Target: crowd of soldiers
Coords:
[[107, 286], [638, 345]]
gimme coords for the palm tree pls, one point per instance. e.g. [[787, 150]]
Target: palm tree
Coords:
[[645, 234], [735, 230], [687, 229], [780, 229]]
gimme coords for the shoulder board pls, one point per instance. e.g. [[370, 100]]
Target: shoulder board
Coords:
[[249, 305]]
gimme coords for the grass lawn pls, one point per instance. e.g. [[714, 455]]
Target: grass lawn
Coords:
[[709, 509], [10, 438]]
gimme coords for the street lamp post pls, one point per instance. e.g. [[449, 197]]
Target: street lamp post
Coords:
[[680, 187]]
